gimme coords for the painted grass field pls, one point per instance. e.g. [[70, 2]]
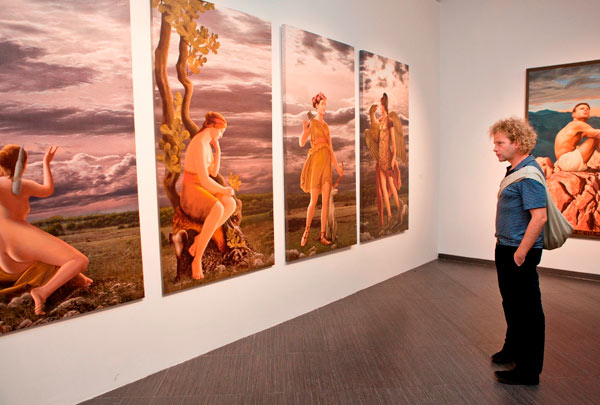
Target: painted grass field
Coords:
[[345, 213], [112, 244], [370, 227]]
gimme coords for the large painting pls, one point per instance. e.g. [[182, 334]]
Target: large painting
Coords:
[[69, 223], [383, 146], [213, 135], [319, 137], [563, 106]]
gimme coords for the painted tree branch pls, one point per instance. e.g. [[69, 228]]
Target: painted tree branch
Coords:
[[182, 76], [229, 245]]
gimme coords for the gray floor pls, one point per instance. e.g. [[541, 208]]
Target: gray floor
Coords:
[[424, 336]]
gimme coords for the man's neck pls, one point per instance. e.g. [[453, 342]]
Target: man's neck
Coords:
[[516, 160]]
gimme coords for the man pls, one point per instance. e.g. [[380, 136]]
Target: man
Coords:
[[520, 217], [570, 156]]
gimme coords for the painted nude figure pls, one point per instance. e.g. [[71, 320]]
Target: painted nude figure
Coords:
[[202, 198], [570, 155], [28, 255]]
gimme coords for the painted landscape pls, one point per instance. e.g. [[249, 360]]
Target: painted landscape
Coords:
[[65, 82], [553, 95], [313, 64], [111, 242], [212, 59], [379, 75]]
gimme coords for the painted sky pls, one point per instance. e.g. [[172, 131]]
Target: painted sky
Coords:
[[236, 82], [65, 79], [559, 89], [313, 64], [379, 75]]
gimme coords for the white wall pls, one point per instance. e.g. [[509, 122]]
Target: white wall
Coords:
[[486, 45], [70, 361]]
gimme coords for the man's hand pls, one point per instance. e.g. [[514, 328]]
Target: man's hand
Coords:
[[519, 258], [536, 224]]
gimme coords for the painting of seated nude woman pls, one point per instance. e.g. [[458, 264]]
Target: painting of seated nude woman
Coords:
[[213, 137]]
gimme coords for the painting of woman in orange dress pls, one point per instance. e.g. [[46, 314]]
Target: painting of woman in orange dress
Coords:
[[321, 71], [316, 174]]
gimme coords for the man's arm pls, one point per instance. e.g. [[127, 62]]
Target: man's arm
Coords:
[[587, 130], [534, 228]]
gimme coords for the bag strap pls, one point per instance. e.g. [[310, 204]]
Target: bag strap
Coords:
[[529, 172], [556, 229]]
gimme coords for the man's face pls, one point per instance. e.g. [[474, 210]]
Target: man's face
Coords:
[[582, 112], [503, 148]]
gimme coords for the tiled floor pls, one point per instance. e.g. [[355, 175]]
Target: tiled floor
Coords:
[[422, 337]]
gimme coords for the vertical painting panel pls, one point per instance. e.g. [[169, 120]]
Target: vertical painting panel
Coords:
[[318, 143], [69, 224], [215, 182], [563, 106], [383, 146]]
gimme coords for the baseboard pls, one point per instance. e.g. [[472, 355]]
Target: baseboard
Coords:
[[543, 270]]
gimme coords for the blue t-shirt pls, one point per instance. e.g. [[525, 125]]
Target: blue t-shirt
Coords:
[[512, 212]]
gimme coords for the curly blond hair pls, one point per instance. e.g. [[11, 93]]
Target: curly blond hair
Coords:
[[516, 130]]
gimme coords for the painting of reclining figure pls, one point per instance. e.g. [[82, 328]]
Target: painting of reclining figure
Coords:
[[383, 146], [69, 223], [319, 137], [213, 135], [563, 106]]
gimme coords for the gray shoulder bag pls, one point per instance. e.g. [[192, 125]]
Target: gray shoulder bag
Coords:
[[556, 229]]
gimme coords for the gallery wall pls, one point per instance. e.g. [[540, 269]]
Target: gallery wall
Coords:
[[486, 46], [70, 361]]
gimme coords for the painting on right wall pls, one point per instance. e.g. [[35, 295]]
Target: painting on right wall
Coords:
[[383, 146], [563, 106]]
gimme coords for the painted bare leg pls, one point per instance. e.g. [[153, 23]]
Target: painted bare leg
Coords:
[[392, 190], [197, 273], [310, 212], [587, 148], [82, 281], [386, 198], [65, 273], [229, 206], [38, 301], [209, 227], [325, 192]]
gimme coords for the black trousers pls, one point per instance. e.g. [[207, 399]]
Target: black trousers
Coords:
[[522, 303]]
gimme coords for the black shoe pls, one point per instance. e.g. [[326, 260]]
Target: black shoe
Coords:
[[514, 377], [502, 357]]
